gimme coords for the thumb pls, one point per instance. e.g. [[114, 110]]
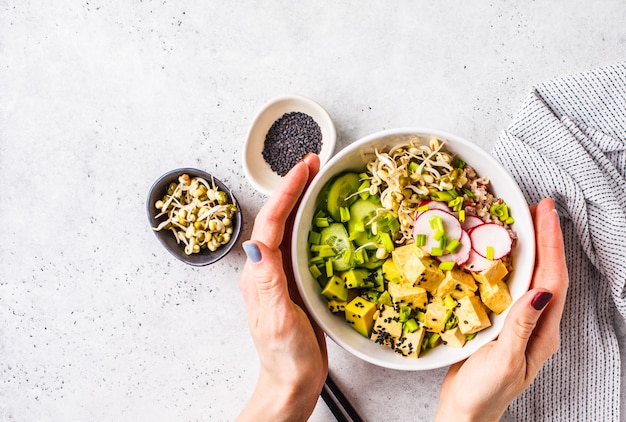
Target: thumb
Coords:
[[267, 275], [521, 322]]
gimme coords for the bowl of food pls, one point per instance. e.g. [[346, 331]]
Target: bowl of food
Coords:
[[281, 134], [194, 215], [410, 246]]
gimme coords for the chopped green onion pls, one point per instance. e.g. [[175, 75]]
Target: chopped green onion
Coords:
[[441, 196], [322, 222], [329, 268], [489, 252], [468, 192], [410, 325], [458, 163], [363, 176], [364, 189], [462, 216], [470, 336], [453, 193], [314, 237], [434, 339], [436, 224], [420, 240], [422, 208], [315, 272], [453, 246], [344, 214], [405, 313], [509, 220], [421, 316], [446, 265], [385, 239], [347, 257], [438, 235], [449, 302], [327, 251], [436, 252]]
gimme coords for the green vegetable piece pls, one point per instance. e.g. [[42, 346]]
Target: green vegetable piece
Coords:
[[420, 316], [413, 166], [422, 208], [420, 240], [314, 238], [470, 336], [509, 220], [434, 340], [329, 268], [410, 325], [405, 313], [468, 192], [449, 302], [462, 216], [326, 251], [340, 193], [315, 272], [321, 222], [436, 252], [344, 214], [364, 189], [489, 252], [458, 163], [385, 299], [453, 246], [442, 196], [386, 241], [446, 265]]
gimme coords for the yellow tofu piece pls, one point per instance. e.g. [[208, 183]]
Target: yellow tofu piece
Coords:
[[410, 344], [431, 276], [416, 267], [407, 295], [457, 283], [453, 338], [387, 327], [493, 274], [360, 314], [391, 272], [471, 315], [496, 297], [435, 318]]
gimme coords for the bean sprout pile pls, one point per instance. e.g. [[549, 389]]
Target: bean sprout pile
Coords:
[[198, 214]]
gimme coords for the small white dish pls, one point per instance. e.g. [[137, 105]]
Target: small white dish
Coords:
[[257, 170]]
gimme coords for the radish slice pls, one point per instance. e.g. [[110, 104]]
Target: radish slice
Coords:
[[471, 221], [462, 255], [491, 235], [435, 205], [451, 225], [476, 263]]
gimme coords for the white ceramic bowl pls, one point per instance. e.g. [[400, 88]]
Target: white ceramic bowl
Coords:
[[354, 157], [258, 172]]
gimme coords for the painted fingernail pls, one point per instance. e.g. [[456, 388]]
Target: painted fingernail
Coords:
[[540, 300], [252, 250]]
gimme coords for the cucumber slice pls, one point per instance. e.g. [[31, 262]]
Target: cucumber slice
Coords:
[[361, 212], [338, 191], [336, 236]]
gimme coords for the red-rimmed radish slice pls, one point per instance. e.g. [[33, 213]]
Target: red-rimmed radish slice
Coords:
[[422, 225], [471, 221], [476, 263], [434, 205], [462, 255], [491, 236]]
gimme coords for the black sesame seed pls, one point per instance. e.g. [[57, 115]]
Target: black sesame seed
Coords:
[[289, 139]]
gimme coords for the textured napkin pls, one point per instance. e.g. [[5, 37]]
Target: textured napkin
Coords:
[[568, 142]]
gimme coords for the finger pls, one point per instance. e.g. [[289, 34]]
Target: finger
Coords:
[[549, 239], [269, 225], [520, 324], [313, 162], [265, 283]]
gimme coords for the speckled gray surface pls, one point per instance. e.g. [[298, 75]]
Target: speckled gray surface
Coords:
[[99, 98]]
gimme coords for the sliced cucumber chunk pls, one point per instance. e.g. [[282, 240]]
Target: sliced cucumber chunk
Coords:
[[336, 236], [340, 193]]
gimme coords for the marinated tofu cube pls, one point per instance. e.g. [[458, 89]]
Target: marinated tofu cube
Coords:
[[387, 327], [435, 318], [457, 283], [472, 315], [453, 337], [431, 277], [492, 274], [407, 295], [495, 296], [415, 267], [410, 344]]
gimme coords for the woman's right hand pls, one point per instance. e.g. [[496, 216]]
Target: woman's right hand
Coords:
[[482, 387]]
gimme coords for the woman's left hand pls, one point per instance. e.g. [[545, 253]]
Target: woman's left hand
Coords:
[[291, 348]]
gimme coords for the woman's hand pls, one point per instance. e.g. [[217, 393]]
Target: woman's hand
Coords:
[[481, 388], [291, 348]]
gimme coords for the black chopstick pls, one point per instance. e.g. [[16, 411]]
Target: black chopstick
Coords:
[[338, 403]]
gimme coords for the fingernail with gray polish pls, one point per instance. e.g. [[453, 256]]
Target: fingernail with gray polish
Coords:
[[252, 250]]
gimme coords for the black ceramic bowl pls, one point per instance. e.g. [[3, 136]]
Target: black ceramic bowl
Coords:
[[167, 238]]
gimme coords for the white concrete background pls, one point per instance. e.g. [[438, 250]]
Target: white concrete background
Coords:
[[98, 98]]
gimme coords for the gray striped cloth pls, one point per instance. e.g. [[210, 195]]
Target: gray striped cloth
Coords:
[[568, 142]]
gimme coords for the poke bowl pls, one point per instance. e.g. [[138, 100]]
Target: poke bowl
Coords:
[[410, 246]]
